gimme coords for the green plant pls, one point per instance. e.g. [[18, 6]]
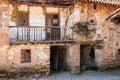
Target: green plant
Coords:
[[82, 69]]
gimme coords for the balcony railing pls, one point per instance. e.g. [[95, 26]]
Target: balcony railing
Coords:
[[40, 34]]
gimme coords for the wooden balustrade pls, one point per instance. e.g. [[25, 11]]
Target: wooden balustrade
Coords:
[[40, 34]]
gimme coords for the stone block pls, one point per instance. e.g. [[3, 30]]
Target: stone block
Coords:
[[46, 50], [3, 9], [2, 59], [47, 46], [5, 15], [75, 69], [1, 25]]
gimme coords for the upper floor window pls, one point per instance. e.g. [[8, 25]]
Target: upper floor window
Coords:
[[22, 18], [52, 20]]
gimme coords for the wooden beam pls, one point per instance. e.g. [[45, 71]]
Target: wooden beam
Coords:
[[47, 3], [113, 15]]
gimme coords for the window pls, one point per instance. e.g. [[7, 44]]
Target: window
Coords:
[[95, 6], [23, 18], [52, 20], [25, 55], [118, 51]]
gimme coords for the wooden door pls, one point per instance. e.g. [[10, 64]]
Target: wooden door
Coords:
[[58, 58], [53, 31], [23, 26]]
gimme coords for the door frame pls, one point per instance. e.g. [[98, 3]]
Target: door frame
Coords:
[[50, 35]]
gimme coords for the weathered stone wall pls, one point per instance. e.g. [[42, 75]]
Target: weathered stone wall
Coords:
[[4, 33], [105, 31], [73, 58], [40, 58], [40, 52], [40, 61]]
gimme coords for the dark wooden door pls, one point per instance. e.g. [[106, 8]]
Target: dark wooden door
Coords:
[[58, 58], [53, 30]]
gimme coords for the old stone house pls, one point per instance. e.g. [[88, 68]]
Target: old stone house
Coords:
[[57, 35]]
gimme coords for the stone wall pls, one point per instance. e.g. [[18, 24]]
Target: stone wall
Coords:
[[4, 33], [40, 58], [106, 32], [73, 58]]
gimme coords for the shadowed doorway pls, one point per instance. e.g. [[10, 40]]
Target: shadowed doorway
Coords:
[[58, 58], [87, 58]]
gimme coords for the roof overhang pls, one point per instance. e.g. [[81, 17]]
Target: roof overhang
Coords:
[[114, 17], [104, 2], [53, 2]]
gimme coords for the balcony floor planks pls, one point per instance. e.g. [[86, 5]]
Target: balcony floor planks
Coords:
[[50, 41]]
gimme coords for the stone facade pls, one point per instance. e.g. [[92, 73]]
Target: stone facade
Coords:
[[4, 33], [105, 31], [39, 60]]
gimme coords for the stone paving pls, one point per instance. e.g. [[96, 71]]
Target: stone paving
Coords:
[[88, 75]]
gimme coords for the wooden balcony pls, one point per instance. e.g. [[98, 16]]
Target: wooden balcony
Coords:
[[32, 34]]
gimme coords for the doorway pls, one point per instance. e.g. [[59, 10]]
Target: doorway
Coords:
[[88, 57], [58, 58]]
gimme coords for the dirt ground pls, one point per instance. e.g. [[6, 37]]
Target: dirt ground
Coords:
[[87, 75]]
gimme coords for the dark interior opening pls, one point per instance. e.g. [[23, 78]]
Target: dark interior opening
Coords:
[[58, 58], [118, 51], [87, 57], [95, 6]]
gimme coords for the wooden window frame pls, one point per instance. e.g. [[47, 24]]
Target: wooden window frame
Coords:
[[52, 18], [23, 12], [24, 56]]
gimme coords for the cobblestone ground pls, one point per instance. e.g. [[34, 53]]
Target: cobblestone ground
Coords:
[[88, 75]]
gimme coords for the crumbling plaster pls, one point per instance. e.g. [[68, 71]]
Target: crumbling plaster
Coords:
[[104, 30]]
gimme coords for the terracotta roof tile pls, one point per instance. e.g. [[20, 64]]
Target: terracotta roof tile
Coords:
[[113, 2]]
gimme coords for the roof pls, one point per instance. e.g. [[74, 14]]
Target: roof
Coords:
[[68, 2], [114, 17], [60, 2], [111, 2]]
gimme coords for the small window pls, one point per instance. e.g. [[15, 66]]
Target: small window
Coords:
[[23, 18], [118, 51], [25, 55], [95, 6]]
